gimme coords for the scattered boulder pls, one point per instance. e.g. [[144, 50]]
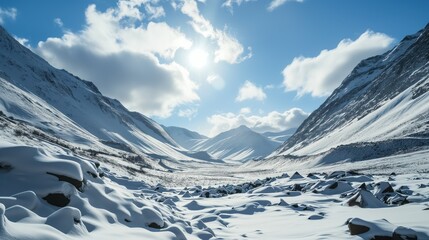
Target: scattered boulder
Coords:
[[336, 174], [76, 183], [315, 217], [403, 233], [356, 226], [364, 199], [382, 188], [66, 220], [283, 203], [302, 207], [152, 218], [296, 187], [312, 176], [57, 199], [380, 230], [284, 175], [296, 175], [186, 195]]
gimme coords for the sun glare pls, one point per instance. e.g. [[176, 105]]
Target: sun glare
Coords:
[[198, 58]]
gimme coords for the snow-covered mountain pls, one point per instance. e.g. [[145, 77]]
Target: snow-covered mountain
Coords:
[[184, 137], [237, 144], [72, 109], [382, 106], [280, 137]]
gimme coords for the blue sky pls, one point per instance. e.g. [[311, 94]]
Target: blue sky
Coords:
[[213, 65]]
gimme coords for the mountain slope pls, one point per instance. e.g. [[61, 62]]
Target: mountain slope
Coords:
[[237, 144], [70, 108], [385, 97], [184, 137], [280, 137]]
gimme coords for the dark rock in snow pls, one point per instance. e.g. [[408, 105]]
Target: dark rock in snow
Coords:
[[76, 183], [356, 228], [403, 233], [296, 175], [154, 225], [364, 199], [312, 176], [57, 199], [296, 187], [333, 185]]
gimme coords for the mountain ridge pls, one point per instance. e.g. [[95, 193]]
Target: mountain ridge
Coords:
[[74, 109], [382, 98]]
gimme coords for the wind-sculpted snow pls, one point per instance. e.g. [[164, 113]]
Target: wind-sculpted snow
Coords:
[[100, 208]]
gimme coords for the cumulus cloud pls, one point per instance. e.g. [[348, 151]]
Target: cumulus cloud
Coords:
[[229, 49], [250, 91], [320, 75], [7, 13], [109, 52], [273, 121], [277, 3], [216, 81]]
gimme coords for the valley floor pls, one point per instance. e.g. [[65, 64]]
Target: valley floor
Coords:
[[197, 200]]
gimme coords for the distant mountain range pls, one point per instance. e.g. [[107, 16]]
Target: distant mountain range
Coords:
[[240, 143], [381, 108]]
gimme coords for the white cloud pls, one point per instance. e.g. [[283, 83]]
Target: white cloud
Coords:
[[216, 81], [277, 3], [320, 75], [22, 41], [230, 3], [59, 22], [229, 49], [188, 113], [109, 52], [245, 110], [154, 11], [7, 13], [273, 121], [250, 91]]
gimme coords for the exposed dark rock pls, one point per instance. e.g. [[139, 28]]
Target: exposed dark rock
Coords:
[[154, 225], [296, 175], [403, 233], [356, 229], [78, 184], [376, 237], [296, 187], [92, 174], [336, 174], [57, 199], [333, 185], [362, 186], [312, 176]]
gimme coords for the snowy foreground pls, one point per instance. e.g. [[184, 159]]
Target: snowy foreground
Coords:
[[54, 195]]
